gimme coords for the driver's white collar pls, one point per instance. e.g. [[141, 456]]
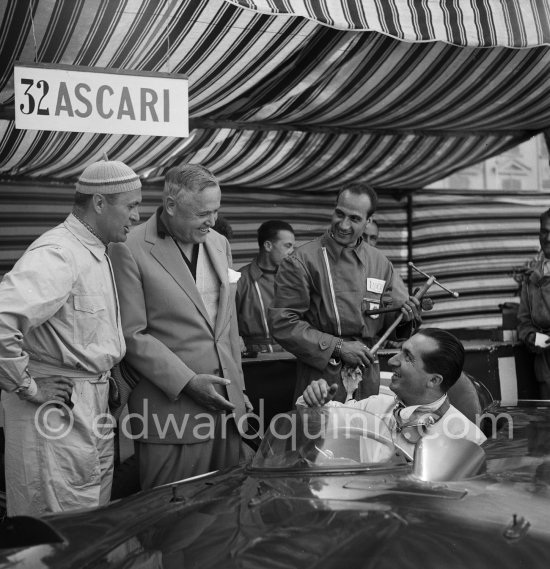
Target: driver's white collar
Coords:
[[406, 412]]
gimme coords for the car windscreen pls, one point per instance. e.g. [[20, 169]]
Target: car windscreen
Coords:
[[326, 438]]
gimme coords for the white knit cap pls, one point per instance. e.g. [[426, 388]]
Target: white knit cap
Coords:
[[107, 177]]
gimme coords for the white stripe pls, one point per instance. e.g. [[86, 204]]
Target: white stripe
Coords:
[[331, 285], [262, 307]]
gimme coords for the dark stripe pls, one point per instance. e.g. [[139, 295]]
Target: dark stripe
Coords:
[[453, 22], [108, 182], [15, 28], [386, 16], [514, 23], [484, 23], [423, 18]]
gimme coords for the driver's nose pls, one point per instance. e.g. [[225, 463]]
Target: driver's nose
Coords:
[[394, 361]]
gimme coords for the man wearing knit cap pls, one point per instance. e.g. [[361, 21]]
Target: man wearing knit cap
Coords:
[[177, 300], [60, 334]]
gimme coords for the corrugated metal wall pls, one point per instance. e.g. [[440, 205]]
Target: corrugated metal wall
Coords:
[[469, 241]]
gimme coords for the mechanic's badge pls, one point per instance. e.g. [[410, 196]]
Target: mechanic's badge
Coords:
[[374, 306], [375, 285]]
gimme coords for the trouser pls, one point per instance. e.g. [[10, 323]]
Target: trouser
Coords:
[[161, 463], [56, 458], [542, 373]]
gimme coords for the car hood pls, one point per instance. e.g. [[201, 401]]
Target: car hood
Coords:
[[244, 518]]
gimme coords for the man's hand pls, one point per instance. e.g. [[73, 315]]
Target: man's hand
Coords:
[[532, 346], [318, 393], [248, 406], [53, 388], [201, 389], [356, 353], [411, 310]]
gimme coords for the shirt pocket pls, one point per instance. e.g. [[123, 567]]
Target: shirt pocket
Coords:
[[371, 301], [89, 312]]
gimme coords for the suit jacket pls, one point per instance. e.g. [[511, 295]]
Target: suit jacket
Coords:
[[170, 337]]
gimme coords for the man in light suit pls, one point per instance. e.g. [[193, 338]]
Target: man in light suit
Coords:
[[180, 326]]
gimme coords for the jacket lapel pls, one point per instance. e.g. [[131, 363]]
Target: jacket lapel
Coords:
[[219, 262], [166, 252]]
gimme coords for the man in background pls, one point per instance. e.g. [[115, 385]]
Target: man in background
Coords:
[[223, 227], [370, 235], [60, 335], [534, 309], [256, 287]]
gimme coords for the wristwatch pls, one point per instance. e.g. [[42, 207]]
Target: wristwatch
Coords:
[[337, 353]]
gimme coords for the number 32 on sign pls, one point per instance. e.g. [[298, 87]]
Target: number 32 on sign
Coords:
[[83, 99]]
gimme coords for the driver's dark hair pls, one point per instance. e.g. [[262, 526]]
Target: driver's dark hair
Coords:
[[360, 190], [447, 360], [545, 215]]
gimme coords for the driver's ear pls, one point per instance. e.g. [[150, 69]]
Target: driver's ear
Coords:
[[268, 245], [435, 380]]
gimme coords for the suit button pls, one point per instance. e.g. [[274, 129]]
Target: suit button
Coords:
[[324, 344]]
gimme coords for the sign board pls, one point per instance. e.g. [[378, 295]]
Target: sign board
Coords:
[[84, 99]]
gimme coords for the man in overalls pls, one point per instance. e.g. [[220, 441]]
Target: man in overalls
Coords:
[[326, 297], [60, 334]]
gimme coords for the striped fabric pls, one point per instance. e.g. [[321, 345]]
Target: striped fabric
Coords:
[[479, 23], [277, 101], [470, 241], [299, 161]]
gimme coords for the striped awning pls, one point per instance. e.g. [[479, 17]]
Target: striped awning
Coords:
[[479, 23], [281, 101]]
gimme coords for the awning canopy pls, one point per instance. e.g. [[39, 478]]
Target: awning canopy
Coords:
[[477, 23], [284, 102]]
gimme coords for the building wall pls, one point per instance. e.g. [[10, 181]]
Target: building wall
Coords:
[[524, 167]]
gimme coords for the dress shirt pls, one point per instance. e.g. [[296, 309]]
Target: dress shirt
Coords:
[[453, 423]]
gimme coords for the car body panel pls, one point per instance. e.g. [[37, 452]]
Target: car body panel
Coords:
[[378, 518]]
